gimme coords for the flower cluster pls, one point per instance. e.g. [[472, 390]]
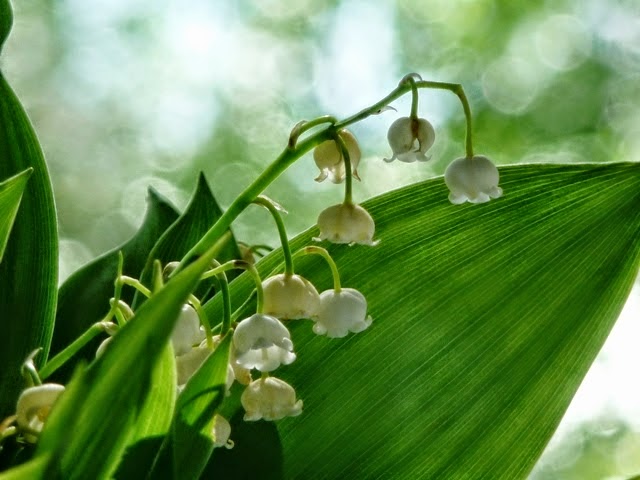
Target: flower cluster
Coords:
[[262, 342]]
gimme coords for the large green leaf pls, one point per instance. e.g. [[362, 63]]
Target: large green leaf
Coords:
[[84, 298], [29, 268], [88, 430], [10, 195], [200, 214], [486, 319]]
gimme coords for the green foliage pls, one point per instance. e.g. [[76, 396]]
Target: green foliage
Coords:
[[88, 430], [29, 269], [6, 20], [83, 299], [200, 214], [10, 195], [486, 319]]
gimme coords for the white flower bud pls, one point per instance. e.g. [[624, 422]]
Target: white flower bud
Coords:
[[290, 297], [103, 346], [187, 331], [409, 139], [33, 408], [262, 342], [270, 398], [472, 179], [221, 432], [330, 161], [342, 312], [346, 223]]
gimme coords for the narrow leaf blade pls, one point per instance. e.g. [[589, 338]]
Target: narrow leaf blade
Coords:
[[29, 269], [486, 319], [10, 197]]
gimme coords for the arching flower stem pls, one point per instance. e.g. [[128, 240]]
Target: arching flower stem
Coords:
[[241, 264], [61, 358], [282, 231], [313, 249], [197, 306], [29, 370], [226, 304], [411, 79], [304, 126], [135, 283], [294, 150], [348, 196], [117, 292]]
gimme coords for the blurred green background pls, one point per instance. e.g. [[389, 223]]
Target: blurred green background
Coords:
[[128, 93]]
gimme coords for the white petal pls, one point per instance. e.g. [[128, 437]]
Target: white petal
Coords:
[[186, 332], [34, 406]]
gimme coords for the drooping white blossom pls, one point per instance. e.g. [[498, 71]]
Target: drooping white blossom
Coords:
[[342, 312], [187, 331], [270, 399], [221, 432], [330, 161], [242, 375], [473, 180], [290, 297], [346, 223], [33, 408], [409, 139], [262, 342]]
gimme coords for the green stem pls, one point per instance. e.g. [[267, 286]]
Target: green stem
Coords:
[[303, 126], [411, 80], [253, 271], [230, 265], [226, 301], [65, 355], [313, 249], [135, 283], [348, 190], [282, 231], [273, 171], [117, 291], [459, 91], [29, 370], [197, 306]]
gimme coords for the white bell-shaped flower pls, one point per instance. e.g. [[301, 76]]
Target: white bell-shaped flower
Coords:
[[221, 432], [270, 398], [33, 408], [187, 331], [342, 312], [472, 179], [330, 161], [409, 139], [346, 223], [290, 296], [262, 342]]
